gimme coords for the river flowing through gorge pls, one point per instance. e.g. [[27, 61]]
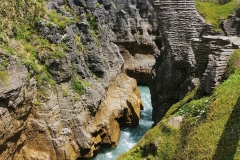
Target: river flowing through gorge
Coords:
[[130, 136]]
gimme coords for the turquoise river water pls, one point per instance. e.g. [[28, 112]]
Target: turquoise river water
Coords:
[[130, 136]]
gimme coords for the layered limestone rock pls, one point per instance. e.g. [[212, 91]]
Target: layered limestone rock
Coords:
[[61, 129], [212, 54], [188, 57], [178, 23], [231, 25], [92, 96], [17, 95], [61, 126], [54, 121], [138, 60], [136, 30]]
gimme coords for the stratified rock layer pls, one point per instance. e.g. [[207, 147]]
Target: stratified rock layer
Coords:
[[55, 121], [188, 57], [231, 25], [17, 94], [212, 54], [104, 42], [63, 130], [178, 22]]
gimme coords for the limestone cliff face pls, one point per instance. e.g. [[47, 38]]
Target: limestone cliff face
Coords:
[[188, 56], [136, 29], [178, 22], [17, 94], [56, 121], [101, 43]]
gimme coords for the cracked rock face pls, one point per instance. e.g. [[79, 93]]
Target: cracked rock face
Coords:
[[59, 129], [55, 122], [17, 93], [188, 56], [178, 22]]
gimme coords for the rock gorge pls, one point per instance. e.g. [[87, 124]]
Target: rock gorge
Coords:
[[64, 91], [89, 60]]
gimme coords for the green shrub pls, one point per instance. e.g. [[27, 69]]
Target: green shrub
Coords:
[[92, 21], [58, 19], [77, 86], [98, 5], [65, 89]]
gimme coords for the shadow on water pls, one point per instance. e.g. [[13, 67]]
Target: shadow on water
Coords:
[[228, 143]]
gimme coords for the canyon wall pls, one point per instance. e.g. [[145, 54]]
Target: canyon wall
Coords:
[[67, 103], [188, 56], [66, 90]]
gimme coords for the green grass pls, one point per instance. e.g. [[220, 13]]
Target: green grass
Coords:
[[4, 76], [213, 11], [210, 128], [77, 85], [58, 19], [18, 36], [234, 63], [167, 138], [217, 135]]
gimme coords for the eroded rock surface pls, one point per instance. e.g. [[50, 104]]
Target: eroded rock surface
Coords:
[[179, 22], [59, 129], [231, 25], [188, 56], [212, 54], [54, 121], [104, 42], [17, 95]]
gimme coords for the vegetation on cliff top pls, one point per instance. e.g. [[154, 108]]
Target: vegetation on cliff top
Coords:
[[213, 11], [20, 37], [210, 128]]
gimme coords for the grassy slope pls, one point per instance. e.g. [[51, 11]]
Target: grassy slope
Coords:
[[212, 12], [18, 36], [210, 129]]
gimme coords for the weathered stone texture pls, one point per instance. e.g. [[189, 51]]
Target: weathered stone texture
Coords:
[[17, 93], [136, 28], [138, 60], [188, 55], [60, 129], [54, 122], [212, 54], [178, 23], [231, 25]]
